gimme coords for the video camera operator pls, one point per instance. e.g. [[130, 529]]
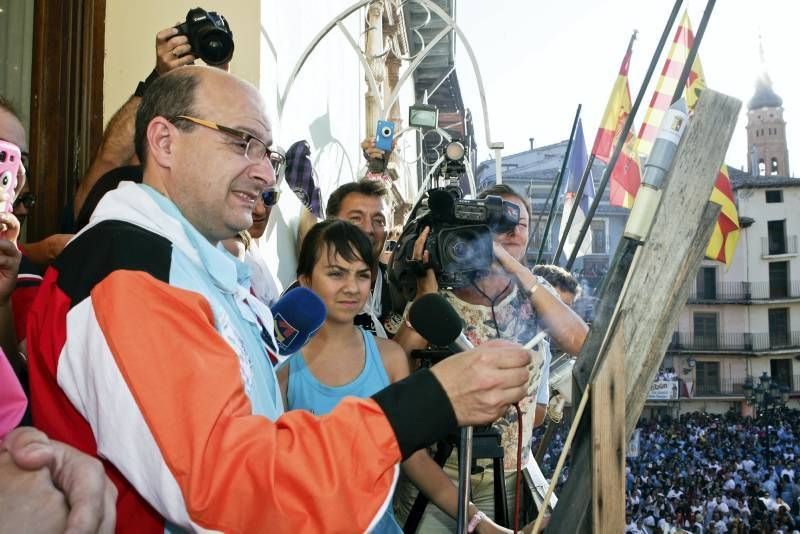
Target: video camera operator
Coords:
[[506, 302]]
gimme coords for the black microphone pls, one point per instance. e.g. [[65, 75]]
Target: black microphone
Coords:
[[436, 320]]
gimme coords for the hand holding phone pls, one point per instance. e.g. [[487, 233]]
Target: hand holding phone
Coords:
[[384, 136], [9, 167]]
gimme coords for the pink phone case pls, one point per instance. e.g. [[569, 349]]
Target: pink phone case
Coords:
[[9, 167]]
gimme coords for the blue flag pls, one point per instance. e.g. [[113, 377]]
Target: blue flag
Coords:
[[578, 158]]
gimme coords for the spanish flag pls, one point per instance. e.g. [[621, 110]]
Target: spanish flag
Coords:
[[626, 176], [726, 233]]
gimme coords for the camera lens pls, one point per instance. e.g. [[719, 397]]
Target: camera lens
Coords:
[[2, 157], [461, 246], [386, 131], [216, 48]]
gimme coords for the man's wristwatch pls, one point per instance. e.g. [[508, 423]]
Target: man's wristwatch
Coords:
[[142, 87]]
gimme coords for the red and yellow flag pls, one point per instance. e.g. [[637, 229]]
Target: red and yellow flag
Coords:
[[726, 233], [626, 176], [670, 74]]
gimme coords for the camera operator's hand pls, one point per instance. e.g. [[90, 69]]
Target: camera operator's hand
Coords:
[[565, 326], [481, 383], [172, 50], [372, 152], [425, 284], [506, 261]]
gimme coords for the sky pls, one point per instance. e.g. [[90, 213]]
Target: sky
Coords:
[[539, 59]]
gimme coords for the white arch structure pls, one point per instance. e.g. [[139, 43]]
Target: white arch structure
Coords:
[[450, 24]]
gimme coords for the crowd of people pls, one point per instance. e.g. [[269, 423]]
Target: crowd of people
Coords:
[[716, 473], [160, 392], [702, 473]]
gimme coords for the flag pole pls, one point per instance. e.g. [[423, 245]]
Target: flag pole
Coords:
[[698, 37], [573, 211], [564, 162], [541, 213], [625, 129]]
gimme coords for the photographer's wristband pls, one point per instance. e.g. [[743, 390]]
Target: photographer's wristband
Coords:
[[142, 87]]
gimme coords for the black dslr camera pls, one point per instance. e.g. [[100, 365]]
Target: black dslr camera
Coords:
[[209, 36], [460, 240]]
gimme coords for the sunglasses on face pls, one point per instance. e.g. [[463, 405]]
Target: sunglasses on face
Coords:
[[270, 197], [26, 199]]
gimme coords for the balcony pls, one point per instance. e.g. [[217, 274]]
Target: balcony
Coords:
[[730, 387], [735, 342], [723, 292], [778, 247]]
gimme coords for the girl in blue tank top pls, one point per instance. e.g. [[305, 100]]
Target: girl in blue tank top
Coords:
[[344, 360]]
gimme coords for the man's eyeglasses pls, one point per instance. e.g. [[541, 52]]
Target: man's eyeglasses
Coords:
[[254, 148], [26, 199]]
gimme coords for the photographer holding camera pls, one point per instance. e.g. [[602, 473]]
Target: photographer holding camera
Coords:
[[204, 35], [507, 302]]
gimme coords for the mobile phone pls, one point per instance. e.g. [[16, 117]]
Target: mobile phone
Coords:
[[384, 136], [9, 167]]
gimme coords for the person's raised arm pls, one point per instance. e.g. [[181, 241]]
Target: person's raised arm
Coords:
[[564, 325], [116, 148], [9, 268]]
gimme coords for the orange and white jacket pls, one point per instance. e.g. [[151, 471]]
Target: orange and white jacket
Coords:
[[143, 352]]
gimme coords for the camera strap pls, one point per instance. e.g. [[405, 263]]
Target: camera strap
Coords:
[[374, 306], [492, 302]]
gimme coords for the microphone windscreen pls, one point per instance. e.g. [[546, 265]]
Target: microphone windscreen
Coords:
[[298, 314], [435, 319]]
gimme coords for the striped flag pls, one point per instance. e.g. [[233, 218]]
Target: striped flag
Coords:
[[726, 233], [626, 176], [662, 97]]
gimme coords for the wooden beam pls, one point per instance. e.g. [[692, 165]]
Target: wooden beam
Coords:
[[608, 441], [654, 292]]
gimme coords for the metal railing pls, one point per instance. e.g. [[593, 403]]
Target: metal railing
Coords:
[[744, 291], [771, 247], [741, 342], [730, 387]]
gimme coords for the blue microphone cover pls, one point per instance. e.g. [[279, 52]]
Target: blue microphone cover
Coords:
[[298, 314]]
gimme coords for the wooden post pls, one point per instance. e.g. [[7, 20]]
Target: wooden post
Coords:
[[608, 441], [655, 291]]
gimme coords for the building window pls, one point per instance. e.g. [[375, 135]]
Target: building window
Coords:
[[762, 168], [781, 372], [776, 237], [778, 279], [707, 374], [774, 166], [599, 244], [707, 283], [778, 319], [774, 196], [706, 335]]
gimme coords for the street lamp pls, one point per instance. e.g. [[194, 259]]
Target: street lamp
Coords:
[[766, 396]]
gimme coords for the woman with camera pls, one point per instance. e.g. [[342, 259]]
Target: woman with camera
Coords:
[[507, 302], [343, 359]]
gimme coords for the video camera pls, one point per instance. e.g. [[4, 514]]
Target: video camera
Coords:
[[460, 239]]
